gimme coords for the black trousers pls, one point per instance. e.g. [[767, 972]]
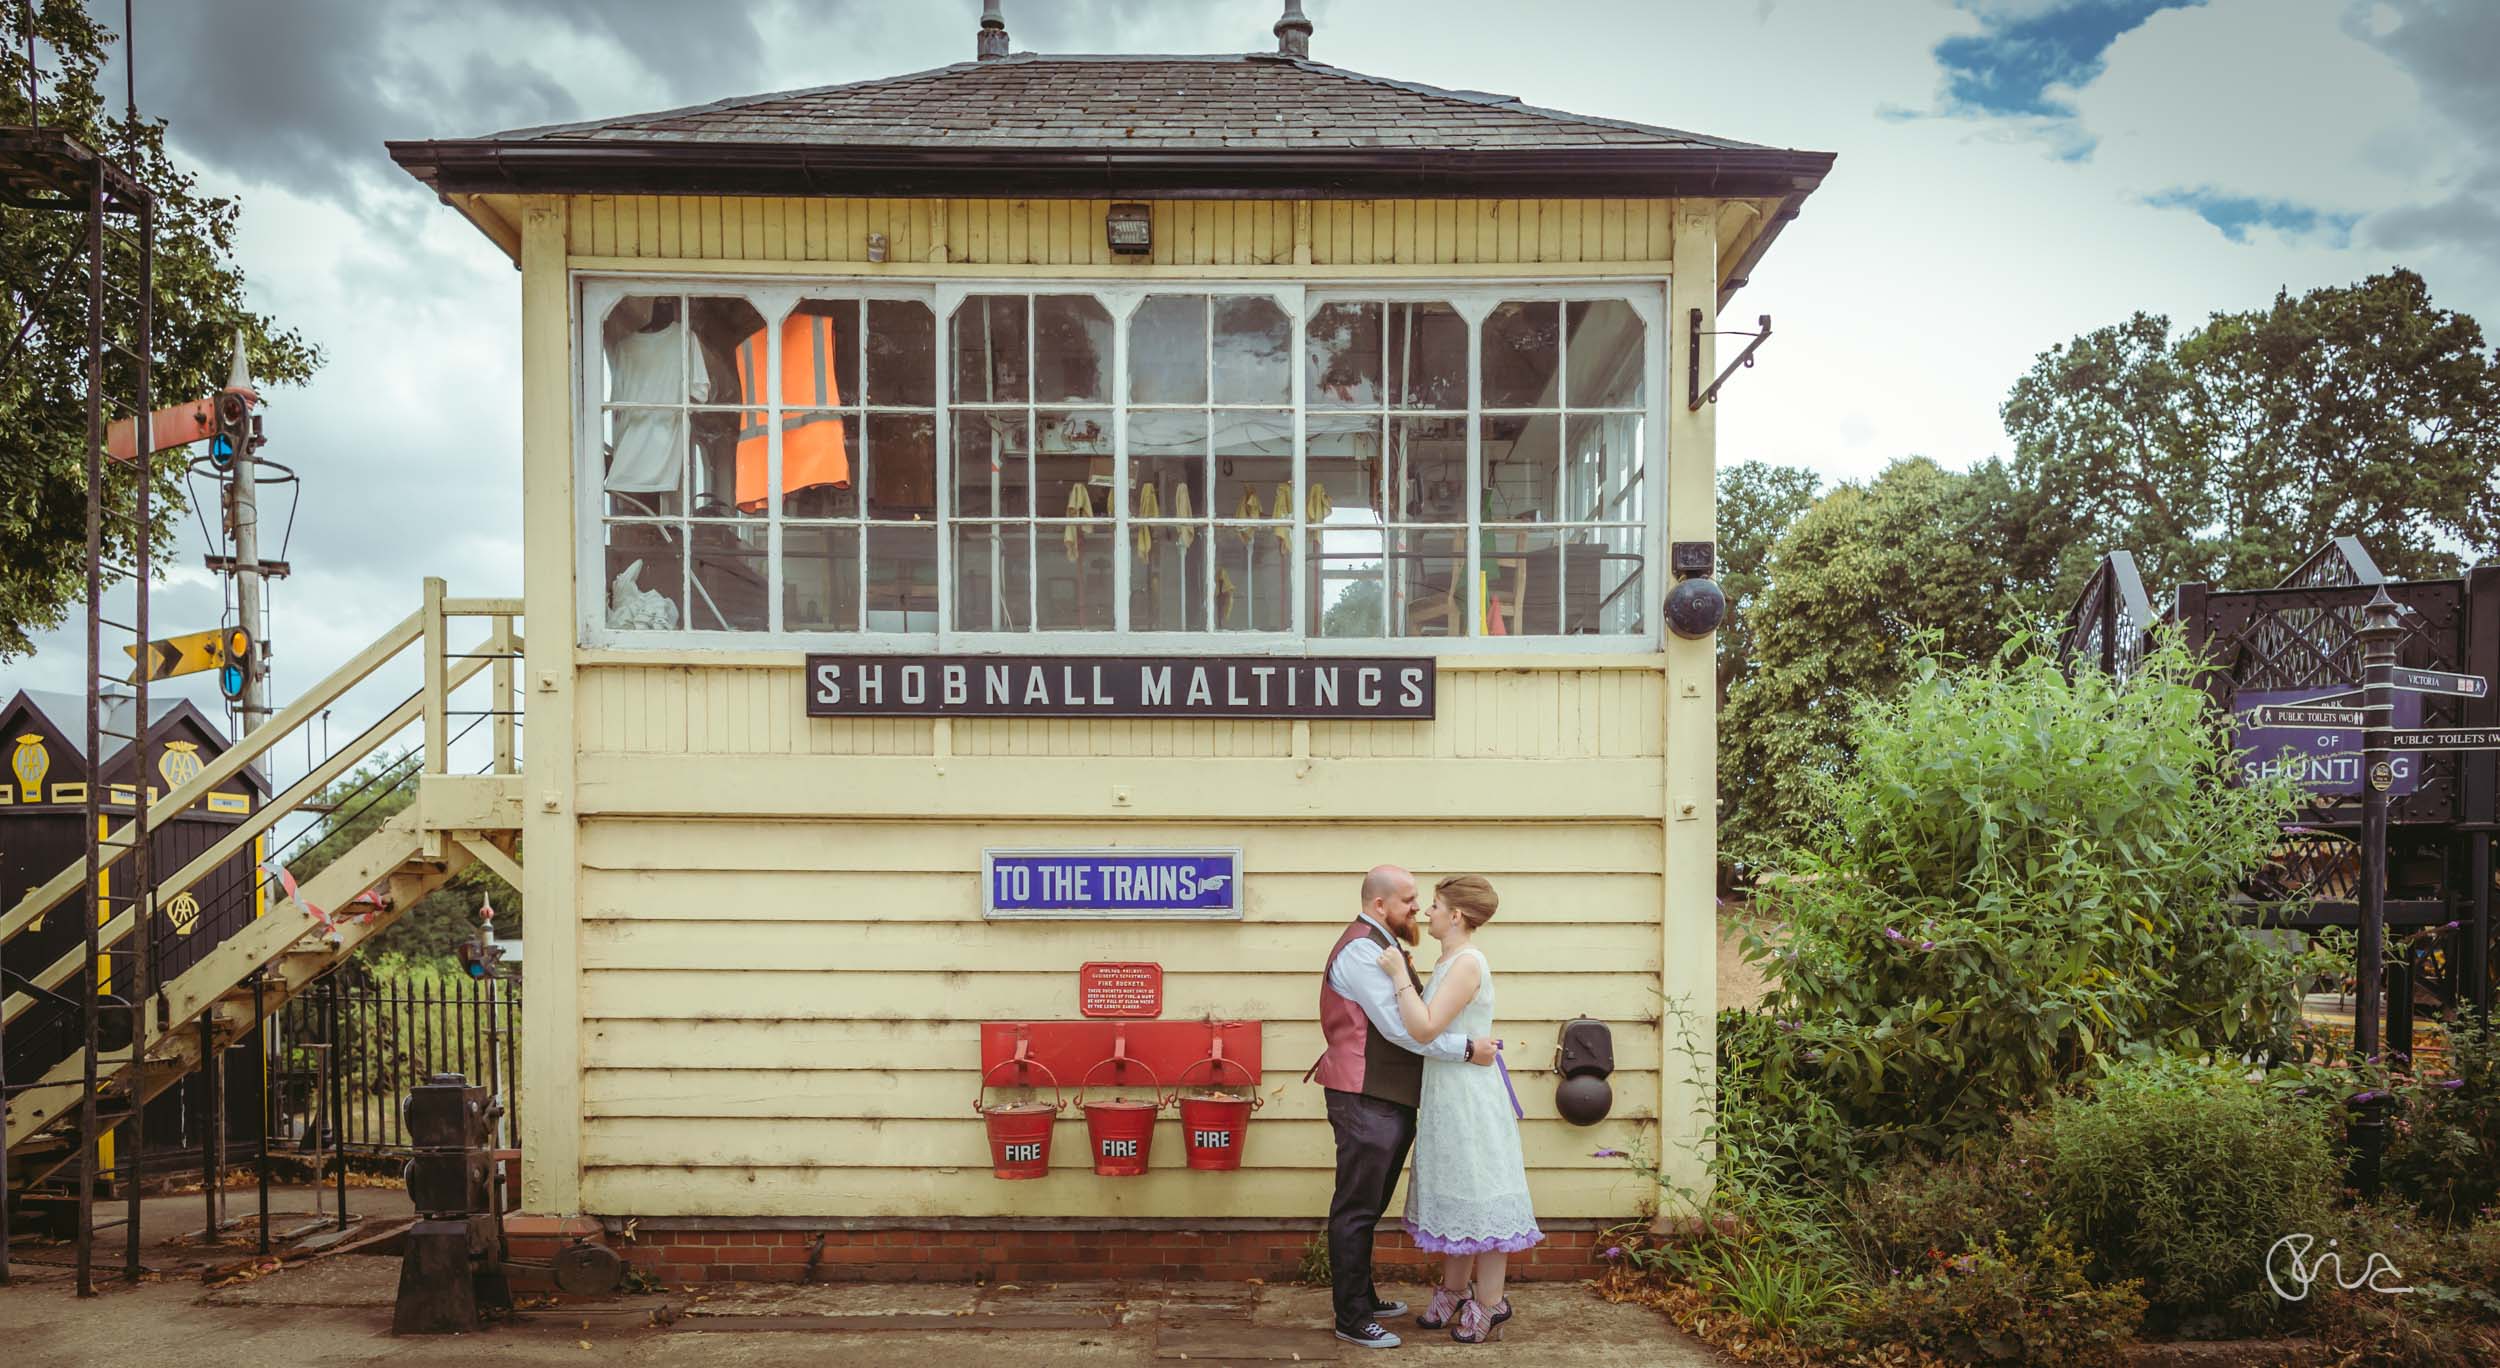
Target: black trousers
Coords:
[[1372, 1140]]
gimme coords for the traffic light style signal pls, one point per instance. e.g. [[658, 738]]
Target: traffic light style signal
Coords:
[[234, 429], [478, 957], [237, 669]]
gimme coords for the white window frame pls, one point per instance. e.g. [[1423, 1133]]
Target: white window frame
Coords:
[[773, 296]]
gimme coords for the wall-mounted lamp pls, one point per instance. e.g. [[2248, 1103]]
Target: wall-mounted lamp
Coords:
[[1128, 230]]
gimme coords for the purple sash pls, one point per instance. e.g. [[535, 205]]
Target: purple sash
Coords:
[[1517, 1112]]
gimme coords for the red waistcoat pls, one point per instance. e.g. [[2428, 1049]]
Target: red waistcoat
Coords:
[[1357, 1058]]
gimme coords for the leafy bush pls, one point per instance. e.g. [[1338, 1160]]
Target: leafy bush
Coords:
[[2443, 1145], [1993, 1305], [2181, 1174], [1916, 1213], [2022, 876]]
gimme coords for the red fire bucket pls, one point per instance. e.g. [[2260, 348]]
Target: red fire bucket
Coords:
[[1122, 1132], [1020, 1131], [1213, 1124]]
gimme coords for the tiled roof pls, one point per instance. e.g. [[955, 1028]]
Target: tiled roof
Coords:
[[1258, 102]]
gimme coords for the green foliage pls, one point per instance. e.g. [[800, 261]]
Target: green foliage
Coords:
[[1758, 503], [1868, 570], [1916, 1213], [2020, 877], [2443, 1144], [1313, 1270], [198, 304], [2181, 1174], [2231, 453], [1995, 1305]]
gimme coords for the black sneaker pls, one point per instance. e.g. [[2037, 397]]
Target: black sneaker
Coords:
[[1370, 1336], [1388, 1310]]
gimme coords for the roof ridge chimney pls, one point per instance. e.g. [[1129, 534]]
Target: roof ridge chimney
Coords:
[[993, 41], [1293, 32]]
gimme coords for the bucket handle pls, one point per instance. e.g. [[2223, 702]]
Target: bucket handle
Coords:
[[1160, 1100], [1058, 1100], [1256, 1101]]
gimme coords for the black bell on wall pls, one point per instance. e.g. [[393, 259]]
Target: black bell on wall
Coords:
[[1584, 1054], [1696, 605]]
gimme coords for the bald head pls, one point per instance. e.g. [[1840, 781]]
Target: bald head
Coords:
[[1389, 897]]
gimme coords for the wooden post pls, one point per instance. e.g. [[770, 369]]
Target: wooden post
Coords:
[[1691, 837], [501, 692], [437, 722], [551, 1075]]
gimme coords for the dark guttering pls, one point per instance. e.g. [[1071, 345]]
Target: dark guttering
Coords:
[[480, 166]]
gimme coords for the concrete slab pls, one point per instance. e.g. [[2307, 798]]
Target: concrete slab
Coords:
[[348, 1280]]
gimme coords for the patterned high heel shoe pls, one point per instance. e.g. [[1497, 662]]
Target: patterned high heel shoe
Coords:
[[1444, 1307], [1476, 1324]]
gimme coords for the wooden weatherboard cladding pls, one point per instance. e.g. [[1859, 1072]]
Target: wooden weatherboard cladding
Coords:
[[1210, 687]]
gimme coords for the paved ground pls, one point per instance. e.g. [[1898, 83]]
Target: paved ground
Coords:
[[337, 1311]]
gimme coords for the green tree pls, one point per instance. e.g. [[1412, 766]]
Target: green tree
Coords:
[[2229, 454], [357, 805], [198, 305], [1866, 573], [1758, 503]]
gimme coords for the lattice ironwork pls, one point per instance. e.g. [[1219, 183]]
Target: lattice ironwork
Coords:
[[2111, 625]]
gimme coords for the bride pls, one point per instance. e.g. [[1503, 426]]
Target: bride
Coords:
[[1468, 1199]]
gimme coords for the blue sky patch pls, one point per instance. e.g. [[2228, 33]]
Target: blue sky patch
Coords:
[[2234, 215], [2008, 68]]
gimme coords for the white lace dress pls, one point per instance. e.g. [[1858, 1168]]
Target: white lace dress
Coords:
[[1469, 1190]]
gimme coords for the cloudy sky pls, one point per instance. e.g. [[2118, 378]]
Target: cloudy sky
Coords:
[[2011, 173]]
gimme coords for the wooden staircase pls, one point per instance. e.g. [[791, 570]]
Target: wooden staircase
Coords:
[[454, 820]]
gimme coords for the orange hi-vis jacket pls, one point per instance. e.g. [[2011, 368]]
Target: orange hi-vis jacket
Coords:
[[813, 449]]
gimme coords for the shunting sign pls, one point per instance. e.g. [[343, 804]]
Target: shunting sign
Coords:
[[1105, 989], [1112, 883], [2442, 682]]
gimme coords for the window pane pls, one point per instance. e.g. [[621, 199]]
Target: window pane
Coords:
[[1073, 577], [645, 461], [990, 352], [819, 354], [1550, 582], [819, 578], [1347, 596], [902, 466], [1167, 350], [993, 578], [1341, 356], [728, 592], [993, 467], [1071, 350], [646, 577], [1602, 478], [1607, 367], [1522, 459], [1619, 602], [728, 462], [729, 344], [1428, 469], [1522, 355], [1072, 471], [817, 464], [1253, 579], [1522, 581], [1253, 351], [902, 354], [1427, 357], [902, 579], [643, 345], [1167, 577], [1254, 464], [1344, 468], [1167, 451], [1426, 598]]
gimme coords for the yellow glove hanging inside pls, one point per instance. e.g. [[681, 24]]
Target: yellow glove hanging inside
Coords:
[[1223, 596], [1180, 509], [1284, 513], [1249, 509], [1317, 508], [1080, 505], [1149, 505]]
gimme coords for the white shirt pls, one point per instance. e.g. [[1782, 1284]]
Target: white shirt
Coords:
[[1356, 974]]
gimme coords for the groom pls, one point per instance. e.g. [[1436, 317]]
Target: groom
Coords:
[[1373, 1071]]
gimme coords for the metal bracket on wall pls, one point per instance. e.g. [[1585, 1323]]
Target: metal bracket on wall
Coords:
[[1692, 360]]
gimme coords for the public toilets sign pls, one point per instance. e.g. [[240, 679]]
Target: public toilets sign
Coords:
[[1386, 689], [2276, 735], [1112, 883]]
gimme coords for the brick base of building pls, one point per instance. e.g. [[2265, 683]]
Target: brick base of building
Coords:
[[680, 1251]]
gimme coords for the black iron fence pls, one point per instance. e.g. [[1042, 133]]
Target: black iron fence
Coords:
[[350, 1049]]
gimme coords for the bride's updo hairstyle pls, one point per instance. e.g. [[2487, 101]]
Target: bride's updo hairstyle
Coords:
[[1470, 896]]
